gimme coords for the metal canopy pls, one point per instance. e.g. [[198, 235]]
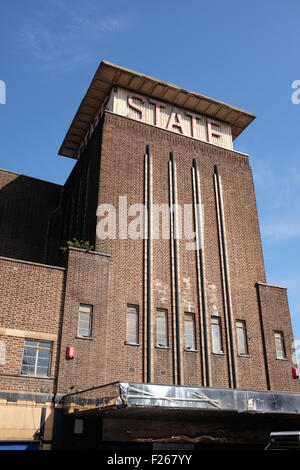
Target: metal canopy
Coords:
[[129, 395], [109, 75]]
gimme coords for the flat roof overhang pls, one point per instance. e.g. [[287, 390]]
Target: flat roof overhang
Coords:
[[109, 75], [148, 400]]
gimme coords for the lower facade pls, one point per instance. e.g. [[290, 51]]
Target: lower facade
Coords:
[[137, 416], [64, 384]]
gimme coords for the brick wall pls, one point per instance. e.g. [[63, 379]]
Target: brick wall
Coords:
[[86, 283], [122, 173], [275, 317], [111, 166], [75, 215], [25, 206], [31, 299]]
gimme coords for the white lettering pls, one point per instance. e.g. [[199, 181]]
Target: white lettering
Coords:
[[158, 105], [295, 96], [194, 117], [2, 92], [136, 228], [106, 227], [212, 132], [139, 109], [175, 121], [2, 353], [118, 460]]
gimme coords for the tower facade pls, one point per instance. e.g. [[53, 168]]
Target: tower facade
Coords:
[[173, 294]]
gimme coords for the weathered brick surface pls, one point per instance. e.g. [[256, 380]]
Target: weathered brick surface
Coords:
[[31, 299], [75, 215], [275, 317], [122, 173], [25, 206], [112, 165], [86, 283]]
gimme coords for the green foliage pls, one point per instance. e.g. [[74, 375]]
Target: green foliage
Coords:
[[78, 244]]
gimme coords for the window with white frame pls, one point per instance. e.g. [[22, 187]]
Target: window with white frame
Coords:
[[189, 331], [241, 337], [84, 329], [36, 357], [132, 324], [216, 332], [279, 345], [161, 336]]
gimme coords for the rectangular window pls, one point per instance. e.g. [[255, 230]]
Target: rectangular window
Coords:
[[84, 329], [36, 357], [217, 346], [279, 345], [241, 336], [162, 328], [189, 331], [132, 324]]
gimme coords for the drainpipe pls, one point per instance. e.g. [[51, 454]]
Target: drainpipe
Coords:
[[226, 274], [176, 270], [201, 278], [149, 262]]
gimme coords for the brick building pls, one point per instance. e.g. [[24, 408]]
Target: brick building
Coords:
[[125, 341]]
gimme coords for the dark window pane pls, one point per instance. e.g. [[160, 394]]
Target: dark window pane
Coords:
[[28, 370], [28, 360], [43, 362], [36, 361], [42, 371], [30, 342], [45, 344], [30, 352], [44, 353]]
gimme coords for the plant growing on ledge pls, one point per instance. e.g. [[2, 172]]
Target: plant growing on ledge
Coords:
[[78, 244]]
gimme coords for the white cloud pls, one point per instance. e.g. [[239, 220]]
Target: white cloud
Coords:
[[61, 37]]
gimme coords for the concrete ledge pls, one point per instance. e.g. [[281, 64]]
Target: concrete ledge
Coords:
[[32, 263], [270, 285], [92, 252], [28, 334]]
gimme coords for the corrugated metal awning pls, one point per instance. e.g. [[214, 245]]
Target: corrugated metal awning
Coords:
[[129, 395]]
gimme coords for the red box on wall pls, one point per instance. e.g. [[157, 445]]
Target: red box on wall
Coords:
[[295, 373], [70, 352]]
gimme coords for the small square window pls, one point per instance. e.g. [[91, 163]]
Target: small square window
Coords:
[[36, 358]]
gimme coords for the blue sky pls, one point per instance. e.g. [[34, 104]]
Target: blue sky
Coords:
[[243, 53]]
